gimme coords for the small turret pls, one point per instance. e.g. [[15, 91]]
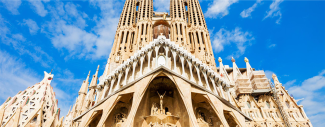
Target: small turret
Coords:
[[93, 83], [84, 86]]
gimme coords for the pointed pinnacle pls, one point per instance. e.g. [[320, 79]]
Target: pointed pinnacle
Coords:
[[97, 70], [51, 71], [88, 77]]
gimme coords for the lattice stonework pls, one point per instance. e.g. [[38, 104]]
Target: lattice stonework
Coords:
[[32, 106]]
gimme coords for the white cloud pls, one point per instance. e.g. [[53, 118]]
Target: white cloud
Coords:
[[19, 43], [289, 83], [219, 8], [32, 25], [272, 45], [67, 29], [275, 11], [163, 5], [12, 5], [224, 37], [247, 12], [38, 6], [312, 90], [14, 76]]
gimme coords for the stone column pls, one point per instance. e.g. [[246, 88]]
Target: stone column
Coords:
[[149, 61], [174, 55], [214, 85], [105, 90], [182, 61], [141, 64], [118, 85], [111, 87], [204, 72], [126, 75], [157, 50], [189, 62], [198, 73], [134, 65], [166, 50]]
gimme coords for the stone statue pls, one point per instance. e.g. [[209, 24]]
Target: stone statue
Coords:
[[118, 57], [154, 109], [161, 101]]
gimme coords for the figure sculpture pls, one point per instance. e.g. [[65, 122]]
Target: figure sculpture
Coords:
[[161, 101]]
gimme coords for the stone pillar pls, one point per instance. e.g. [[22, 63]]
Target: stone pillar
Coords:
[[126, 75], [149, 61], [189, 62], [141, 64], [198, 73], [105, 90], [111, 87], [133, 71], [174, 55]]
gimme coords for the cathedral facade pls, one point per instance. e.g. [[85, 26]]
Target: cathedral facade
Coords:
[[162, 72]]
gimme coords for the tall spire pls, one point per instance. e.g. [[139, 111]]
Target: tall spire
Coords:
[[93, 82], [84, 86]]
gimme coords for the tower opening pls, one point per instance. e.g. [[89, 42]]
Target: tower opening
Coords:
[[161, 28]]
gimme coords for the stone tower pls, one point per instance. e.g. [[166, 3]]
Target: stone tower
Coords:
[[34, 107], [162, 73]]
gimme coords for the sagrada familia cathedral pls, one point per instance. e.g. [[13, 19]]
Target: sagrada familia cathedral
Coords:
[[161, 72]]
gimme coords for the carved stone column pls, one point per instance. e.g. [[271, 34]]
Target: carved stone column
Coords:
[[166, 50], [111, 87], [182, 61], [126, 75], [141, 64], [118, 85], [196, 65], [135, 62], [214, 85], [157, 50], [204, 72], [174, 55], [105, 89], [189, 62], [149, 57], [220, 88]]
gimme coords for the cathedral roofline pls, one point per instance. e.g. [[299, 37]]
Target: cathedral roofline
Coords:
[[174, 73]]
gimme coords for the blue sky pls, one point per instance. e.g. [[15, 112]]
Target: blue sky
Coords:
[[74, 36]]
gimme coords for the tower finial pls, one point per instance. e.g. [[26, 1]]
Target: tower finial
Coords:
[[97, 70], [220, 60], [51, 71], [246, 60], [232, 59], [88, 77]]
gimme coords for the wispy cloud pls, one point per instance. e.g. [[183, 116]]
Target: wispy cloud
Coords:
[[163, 5], [14, 76], [271, 45], [224, 37], [38, 6], [219, 8], [18, 42], [275, 11], [67, 29], [12, 5], [311, 89], [289, 83], [247, 12], [32, 25]]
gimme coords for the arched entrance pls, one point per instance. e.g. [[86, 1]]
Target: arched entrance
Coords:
[[161, 105]]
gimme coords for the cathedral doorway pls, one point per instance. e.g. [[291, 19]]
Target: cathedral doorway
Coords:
[[161, 105], [204, 113], [161, 28]]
